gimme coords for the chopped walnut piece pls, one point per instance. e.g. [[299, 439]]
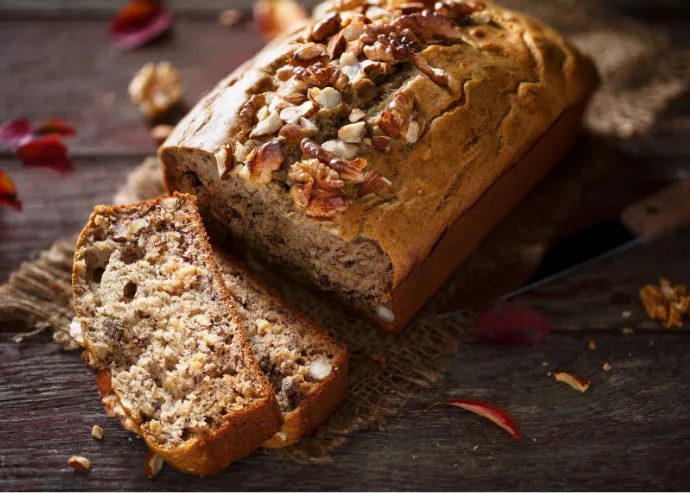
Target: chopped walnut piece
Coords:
[[263, 162], [372, 183], [350, 66], [308, 54], [353, 30], [225, 160], [155, 89], [374, 12], [437, 75], [346, 172], [327, 97], [341, 149], [320, 75], [396, 121], [607, 366], [79, 463], [317, 189], [249, 110], [356, 115], [336, 46], [575, 381], [326, 27], [293, 114], [296, 98], [292, 86], [480, 17], [381, 143], [667, 303], [353, 133], [428, 25], [380, 52], [377, 69], [267, 126]]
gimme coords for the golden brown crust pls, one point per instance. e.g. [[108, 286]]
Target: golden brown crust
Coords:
[[509, 80], [243, 431], [327, 396]]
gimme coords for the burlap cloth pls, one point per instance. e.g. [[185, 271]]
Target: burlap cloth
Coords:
[[641, 75]]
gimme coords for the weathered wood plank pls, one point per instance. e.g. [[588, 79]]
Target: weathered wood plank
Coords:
[[629, 431], [67, 69], [55, 206]]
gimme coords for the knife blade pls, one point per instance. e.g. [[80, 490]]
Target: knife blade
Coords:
[[638, 223]]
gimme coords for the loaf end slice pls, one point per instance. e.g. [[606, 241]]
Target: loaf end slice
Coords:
[[175, 363], [306, 367]]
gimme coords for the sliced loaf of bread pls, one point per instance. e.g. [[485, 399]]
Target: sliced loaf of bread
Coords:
[[176, 364], [308, 369]]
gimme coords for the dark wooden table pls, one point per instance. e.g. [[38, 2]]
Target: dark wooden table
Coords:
[[631, 430]]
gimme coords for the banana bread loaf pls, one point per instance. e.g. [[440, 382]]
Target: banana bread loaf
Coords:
[[370, 151], [175, 363], [307, 369]]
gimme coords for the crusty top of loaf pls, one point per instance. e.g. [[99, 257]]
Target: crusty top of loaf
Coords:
[[452, 94]]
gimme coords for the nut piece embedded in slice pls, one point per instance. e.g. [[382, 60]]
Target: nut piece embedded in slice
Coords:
[[155, 89], [320, 368], [79, 463]]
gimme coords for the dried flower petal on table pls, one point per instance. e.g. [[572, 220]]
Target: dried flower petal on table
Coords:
[[8, 192], [512, 324], [489, 411], [139, 22], [14, 131], [44, 152], [55, 127], [575, 381], [666, 302], [273, 17]]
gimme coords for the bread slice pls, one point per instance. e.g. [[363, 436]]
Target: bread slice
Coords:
[[308, 369], [156, 317]]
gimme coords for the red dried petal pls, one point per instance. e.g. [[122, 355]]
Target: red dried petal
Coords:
[[47, 152], [55, 127], [8, 192], [273, 17], [14, 131], [512, 324], [489, 411], [139, 22]]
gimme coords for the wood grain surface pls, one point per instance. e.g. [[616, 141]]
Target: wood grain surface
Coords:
[[630, 430]]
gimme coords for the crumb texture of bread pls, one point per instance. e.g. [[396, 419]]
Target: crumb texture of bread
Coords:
[[345, 150], [298, 358], [155, 313]]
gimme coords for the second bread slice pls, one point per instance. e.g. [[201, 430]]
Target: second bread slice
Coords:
[[308, 369], [156, 317]]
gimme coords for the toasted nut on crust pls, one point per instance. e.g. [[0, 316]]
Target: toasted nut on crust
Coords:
[[327, 27], [264, 162], [435, 74]]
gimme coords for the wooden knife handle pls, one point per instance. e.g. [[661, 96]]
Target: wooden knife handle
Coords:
[[664, 211]]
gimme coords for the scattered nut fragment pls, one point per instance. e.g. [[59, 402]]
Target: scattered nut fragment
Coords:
[[97, 432], [592, 345], [606, 367], [153, 464], [320, 368], [627, 330], [666, 302], [575, 381], [626, 313], [230, 17], [79, 463], [160, 133], [155, 89]]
